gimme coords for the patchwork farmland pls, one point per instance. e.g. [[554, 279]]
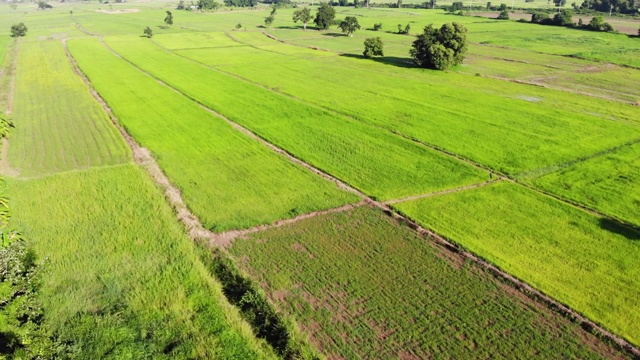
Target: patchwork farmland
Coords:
[[229, 187]]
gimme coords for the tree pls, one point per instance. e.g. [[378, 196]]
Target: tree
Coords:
[[596, 23], [238, 26], [373, 47], [169, 18], [540, 18], [18, 30], [324, 17], [303, 15], [489, 5], [504, 15], [42, 5], [440, 48], [148, 32], [349, 25], [503, 7], [457, 5], [269, 20], [377, 27], [563, 18], [399, 4], [181, 5], [207, 4], [560, 3]]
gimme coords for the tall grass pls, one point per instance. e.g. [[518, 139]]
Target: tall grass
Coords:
[[587, 262], [122, 280]]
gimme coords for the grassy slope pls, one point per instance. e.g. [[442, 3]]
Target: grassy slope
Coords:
[[372, 160], [59, 126], [229, 180], [610, 183], [364, 286], [584, 261], [123, 281]]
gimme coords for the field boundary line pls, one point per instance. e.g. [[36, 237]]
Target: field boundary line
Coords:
[[443, 192], [9, 69], [517, 283], [144, 158], [225, 239]]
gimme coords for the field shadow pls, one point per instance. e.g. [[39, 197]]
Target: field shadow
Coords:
[[387, 60], [334, 34], [290, 27], [629, 231]]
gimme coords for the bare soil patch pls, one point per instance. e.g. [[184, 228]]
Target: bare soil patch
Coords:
[[119, 11]]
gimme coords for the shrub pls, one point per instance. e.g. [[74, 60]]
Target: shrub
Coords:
[[148, 32], [373, 47], [377, 27], [504, 15], [18, 30]]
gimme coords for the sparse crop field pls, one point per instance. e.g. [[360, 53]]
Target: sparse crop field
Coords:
[[494, 154], [122, 279], [585, 261], [228, 179], [59, 126], [365, 286]]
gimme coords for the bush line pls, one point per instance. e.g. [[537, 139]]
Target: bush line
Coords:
[[278, 331]]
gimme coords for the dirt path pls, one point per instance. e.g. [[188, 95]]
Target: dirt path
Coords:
[[9, 70], [438, 239], [443, 192]]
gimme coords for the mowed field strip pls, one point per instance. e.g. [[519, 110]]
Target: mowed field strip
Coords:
[[59, 126], [227, 179], [587, 262], [378, 163], [365, 286]]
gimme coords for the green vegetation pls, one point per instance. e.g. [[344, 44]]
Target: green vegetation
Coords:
[[325, 15], [18, 30], [59, 125], [364, 286], [349, 25], [378, 163], [609, 183], [586, 262], [440, 49], [228, 179], [122, 279], [373, 47]]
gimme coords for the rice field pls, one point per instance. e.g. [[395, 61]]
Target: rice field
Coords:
[[380, 164], [363, 286], [229, 180], [585, 261], [553, 109], [122, 279], [58, 124]]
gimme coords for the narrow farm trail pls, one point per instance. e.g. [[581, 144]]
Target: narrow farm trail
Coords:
[[444, 192], [9, 69], [217, 239]]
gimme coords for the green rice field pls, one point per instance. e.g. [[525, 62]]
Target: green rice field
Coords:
[[229, 180], [59, 126], [525, 155], [122, 279]]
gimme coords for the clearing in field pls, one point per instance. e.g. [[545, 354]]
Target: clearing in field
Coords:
[[227, 179], [122, 279], [364, 286], [587, 262], [58, 124]]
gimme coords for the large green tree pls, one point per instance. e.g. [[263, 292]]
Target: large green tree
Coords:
[[324, 17], [440, 48], [349, 25], [169, 18], [18, 30], [303, 15], [373, 47]]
